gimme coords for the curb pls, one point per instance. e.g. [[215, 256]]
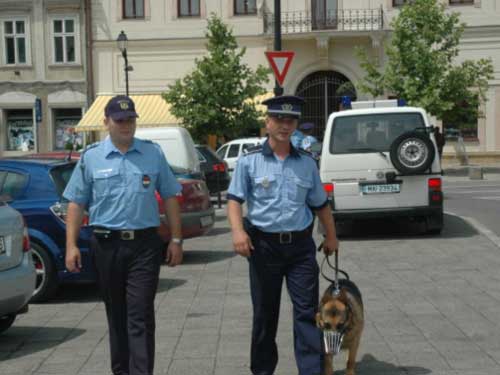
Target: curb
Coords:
[[463, 171]]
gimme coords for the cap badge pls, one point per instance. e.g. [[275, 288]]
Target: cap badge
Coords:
[[124, 105], [286, 107]]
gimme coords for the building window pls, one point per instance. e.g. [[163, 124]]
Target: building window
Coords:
[[65, 120], [65, 41], [20, 130], [189, 8], [242, 7], [16, 43], [400, 3], [133, 9], [461, 2]]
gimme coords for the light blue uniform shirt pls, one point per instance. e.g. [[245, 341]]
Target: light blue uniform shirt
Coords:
[[296, 138], [279, 193], [119, 189]]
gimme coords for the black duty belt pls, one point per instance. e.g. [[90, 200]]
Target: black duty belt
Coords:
[[284, 238], [127, 235]]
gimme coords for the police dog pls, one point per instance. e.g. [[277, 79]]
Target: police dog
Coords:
[[343, 313]]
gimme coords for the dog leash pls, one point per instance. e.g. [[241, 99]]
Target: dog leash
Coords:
[[336, 269]]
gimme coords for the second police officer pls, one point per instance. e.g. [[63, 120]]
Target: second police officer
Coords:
[[116, 181], [280, 186]]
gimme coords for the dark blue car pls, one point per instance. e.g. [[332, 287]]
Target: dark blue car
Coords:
[[34, 187]]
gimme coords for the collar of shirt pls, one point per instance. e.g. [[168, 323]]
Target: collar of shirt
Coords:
[[268, 151], [109, 147]]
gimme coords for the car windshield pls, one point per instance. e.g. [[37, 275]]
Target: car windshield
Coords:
[[208, 154], [61, 175], [371, 133]]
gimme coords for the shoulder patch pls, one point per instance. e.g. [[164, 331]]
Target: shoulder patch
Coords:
[[304, 152], [252, 150]]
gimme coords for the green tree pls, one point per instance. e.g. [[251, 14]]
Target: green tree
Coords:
[[421, 67], [216, 97]]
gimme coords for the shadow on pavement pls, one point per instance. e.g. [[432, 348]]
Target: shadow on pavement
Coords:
[[21, 341], [369, 365], [206, 256], [383, 229], [87, 293], [218, 231], [165, 285]]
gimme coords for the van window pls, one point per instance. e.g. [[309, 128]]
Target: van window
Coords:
[[369, 133], [222, 152], [246, 146], [233, 151]]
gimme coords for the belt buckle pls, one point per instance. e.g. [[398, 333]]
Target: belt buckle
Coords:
[[285, 238], [127, 235]]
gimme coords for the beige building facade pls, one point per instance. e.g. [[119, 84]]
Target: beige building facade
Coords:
[[166, 36], [43, 83]]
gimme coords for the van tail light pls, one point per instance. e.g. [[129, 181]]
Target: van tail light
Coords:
[[434, 184], [329, 189], [26, 238], [435, 191], [60, 210]]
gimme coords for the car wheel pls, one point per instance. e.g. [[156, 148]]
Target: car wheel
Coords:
[[46, 277], [412, 152], [6, 322]]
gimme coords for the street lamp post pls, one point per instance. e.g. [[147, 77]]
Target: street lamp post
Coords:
[[122, 41]]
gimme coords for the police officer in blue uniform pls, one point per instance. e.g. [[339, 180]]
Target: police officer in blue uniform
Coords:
[[115, 180], [281, 185]]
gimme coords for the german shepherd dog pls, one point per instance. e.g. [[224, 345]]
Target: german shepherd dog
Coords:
[[342, 313]]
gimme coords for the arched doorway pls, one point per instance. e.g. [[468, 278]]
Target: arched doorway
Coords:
[[321, 92]]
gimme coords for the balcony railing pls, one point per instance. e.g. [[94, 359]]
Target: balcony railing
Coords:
[[340, 20]]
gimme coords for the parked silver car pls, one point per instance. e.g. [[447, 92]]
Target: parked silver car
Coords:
[[17, 272]]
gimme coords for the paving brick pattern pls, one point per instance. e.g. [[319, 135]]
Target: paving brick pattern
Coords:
[[432, 306]]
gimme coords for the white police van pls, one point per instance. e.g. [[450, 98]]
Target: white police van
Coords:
[[380, 160]]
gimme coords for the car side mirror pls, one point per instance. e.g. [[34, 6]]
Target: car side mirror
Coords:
[[316, 147]]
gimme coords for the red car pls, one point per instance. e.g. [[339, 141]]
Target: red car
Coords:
[[197, 212]]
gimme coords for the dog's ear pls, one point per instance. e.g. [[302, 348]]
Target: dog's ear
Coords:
[[326, 298]]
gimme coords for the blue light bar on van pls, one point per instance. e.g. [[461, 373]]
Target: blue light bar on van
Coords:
[[346, 102], [401, 103]]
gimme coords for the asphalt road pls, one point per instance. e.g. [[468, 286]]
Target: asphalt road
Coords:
[[476, 199]]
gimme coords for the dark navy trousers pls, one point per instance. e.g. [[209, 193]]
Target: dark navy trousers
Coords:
[[128, 273], [270, 263]]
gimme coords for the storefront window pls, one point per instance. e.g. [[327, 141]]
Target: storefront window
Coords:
[[20, 130], [65, 120]]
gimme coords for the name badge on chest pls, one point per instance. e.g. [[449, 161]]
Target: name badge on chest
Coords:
[[146, 181], [265, 182]]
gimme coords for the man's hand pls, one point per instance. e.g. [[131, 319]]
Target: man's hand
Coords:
[[73, 259], [330, 245], [242, 243], [174, 254]]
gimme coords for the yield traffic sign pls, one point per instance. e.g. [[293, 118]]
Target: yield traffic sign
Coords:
[[280, 62]]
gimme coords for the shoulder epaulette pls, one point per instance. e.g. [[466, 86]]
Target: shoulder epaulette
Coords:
[[147, 140], [252, 150], [304, 152], [89, 147]]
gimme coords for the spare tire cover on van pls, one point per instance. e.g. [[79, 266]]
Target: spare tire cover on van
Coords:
[[412, 152]]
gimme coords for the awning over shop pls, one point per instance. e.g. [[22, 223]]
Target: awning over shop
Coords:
[[153, 112]]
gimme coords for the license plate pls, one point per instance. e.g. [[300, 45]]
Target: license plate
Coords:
[[2, 245], [206, 221], [380, 189]]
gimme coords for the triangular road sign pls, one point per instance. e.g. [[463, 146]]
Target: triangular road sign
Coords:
[[280, 62]]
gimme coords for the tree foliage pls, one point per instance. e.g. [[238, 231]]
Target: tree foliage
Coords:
[[421, 65], [216, 97]]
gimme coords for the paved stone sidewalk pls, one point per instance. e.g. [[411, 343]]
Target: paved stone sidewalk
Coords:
[[432, 307]]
